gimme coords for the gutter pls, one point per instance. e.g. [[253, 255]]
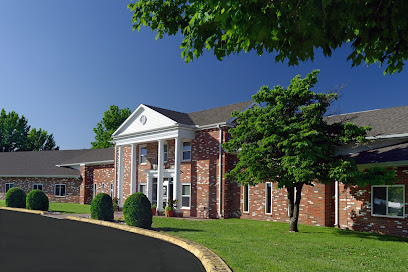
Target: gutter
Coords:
[[86, 163], [336, 204]]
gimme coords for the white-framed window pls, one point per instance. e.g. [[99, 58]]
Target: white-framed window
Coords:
[[165, 152], [37, 187], [186, 151], [142, 188], [268, 197], [388, 200], [94, 190], [103, 188], [142, 154], [60, 190], [245, 198], [8, 186], [185, 195], [111, 190]]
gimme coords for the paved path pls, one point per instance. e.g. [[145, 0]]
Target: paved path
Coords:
[[30, 242]]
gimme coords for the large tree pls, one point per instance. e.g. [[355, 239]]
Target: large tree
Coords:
[[15, 135], [290, 142], [377, 30], [111, 121]]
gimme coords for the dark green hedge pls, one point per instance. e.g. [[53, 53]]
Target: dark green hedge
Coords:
[[138, 211], [102, 207], [37, 200], [16, 198]]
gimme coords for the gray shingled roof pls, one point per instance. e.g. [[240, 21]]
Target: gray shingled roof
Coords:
[[382, 122], [394, 153], [43, 163], [204, 117]]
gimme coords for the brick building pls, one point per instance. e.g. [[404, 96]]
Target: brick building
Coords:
[[165, 153]]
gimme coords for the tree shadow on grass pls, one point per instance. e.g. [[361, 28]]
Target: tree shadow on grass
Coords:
[[370, 235], [164, 229]]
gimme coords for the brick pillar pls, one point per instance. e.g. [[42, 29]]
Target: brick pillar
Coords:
[[85, 190]]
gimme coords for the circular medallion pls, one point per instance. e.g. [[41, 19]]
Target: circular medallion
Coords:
[[143, 119]]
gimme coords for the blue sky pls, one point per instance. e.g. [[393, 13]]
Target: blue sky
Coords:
[[63, 63]]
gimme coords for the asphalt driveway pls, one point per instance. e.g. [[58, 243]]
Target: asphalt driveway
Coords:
[[30, 242]]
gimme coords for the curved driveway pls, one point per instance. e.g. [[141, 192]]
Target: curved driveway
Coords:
[[30, 242]]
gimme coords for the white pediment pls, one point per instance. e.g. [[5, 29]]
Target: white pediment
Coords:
[[141, 120]]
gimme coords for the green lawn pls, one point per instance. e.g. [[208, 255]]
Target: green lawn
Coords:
[[248, 245], [64, 207]]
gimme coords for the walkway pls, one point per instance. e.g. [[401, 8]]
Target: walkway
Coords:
[[38, 243]]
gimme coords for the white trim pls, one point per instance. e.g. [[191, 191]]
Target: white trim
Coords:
[[87, 163], [243, 198], [266, 198], [140, 154], [215, 125], [382, 164], [182, 150], [387, 186], [55, 189], [388, 136], [181, 196]]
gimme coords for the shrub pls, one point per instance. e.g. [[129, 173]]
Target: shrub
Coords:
[[138, 211], [37, 200], [102, 207], [16, 198]]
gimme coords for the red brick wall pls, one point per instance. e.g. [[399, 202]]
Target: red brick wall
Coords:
[[72, 187], [355, 209], [103, 174]]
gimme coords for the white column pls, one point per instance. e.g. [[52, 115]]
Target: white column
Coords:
[[120, 176], [133, 170], [177, 159], [160, 175]]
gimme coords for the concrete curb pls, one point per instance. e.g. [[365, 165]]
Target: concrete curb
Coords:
[[211, 261], [23, 210]]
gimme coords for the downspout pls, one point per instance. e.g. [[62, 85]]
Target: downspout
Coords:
[[336, 204], [220, 174]]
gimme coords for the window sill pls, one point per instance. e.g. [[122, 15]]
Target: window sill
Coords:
[[389, 216], [60, 196]]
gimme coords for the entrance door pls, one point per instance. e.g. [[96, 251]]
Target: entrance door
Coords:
[[167, 190]]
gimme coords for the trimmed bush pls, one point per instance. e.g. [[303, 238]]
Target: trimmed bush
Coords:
[[138, 211], [37, 200], [102, 208], [16, 198]]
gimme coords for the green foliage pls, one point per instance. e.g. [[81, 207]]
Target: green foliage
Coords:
[[294, 30], [15, 135], [37, 200], [111, 121], [291, 142], [16, 198], [102, 207], [137, 211]]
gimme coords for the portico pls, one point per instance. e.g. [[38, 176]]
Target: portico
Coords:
[[154, 171]]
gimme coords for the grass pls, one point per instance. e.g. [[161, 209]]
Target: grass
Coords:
[[65, 207], [248, 245]]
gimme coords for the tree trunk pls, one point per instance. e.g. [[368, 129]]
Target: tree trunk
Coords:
[[294, 197]]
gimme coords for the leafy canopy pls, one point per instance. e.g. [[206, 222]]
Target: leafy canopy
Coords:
[[111, 121], [291, 142], [292, 29], [15, 135]]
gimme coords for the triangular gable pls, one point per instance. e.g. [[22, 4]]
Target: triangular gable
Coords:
[[143, 119]]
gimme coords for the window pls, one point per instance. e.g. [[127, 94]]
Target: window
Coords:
[[37, 187], [103, 188], [186, 151], [246, 198], [94, 191], [185, 195], [9, 186], [111, 190], [60, 190], [388, 200], [165, 153], [143, 155], [142, 188], [268, 198]]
